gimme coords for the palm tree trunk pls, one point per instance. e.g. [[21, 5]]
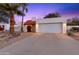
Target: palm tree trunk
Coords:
[[12, 24], [22, 21], [22, 24]]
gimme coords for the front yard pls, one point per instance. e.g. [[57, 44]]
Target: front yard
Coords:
[[7, 39], [75, 36]]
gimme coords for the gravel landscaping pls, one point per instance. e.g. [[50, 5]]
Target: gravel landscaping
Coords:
[[7, 39], [75, 36]]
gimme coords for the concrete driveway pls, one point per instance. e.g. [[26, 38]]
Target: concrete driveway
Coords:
[[43, 44]]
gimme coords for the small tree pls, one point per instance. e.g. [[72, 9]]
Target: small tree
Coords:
[[24, 9]]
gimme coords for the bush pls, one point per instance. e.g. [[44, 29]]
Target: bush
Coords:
[[74, 29], [69, 33]]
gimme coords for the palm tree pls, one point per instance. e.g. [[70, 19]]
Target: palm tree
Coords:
[[24, 9], [11, 9]]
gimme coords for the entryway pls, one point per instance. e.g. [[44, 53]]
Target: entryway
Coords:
[[30, 25], [29, 29]]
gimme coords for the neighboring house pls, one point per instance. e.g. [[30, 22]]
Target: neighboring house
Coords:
[[5, 26], [70, 27], [48, 25]]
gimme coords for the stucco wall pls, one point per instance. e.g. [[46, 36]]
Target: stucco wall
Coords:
[[64, 27], [69, 27]]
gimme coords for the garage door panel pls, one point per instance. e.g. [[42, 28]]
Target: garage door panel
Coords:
[[55, 28]]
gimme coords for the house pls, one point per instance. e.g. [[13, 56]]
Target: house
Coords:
[[51, 25], [4, 26], [47, 25]]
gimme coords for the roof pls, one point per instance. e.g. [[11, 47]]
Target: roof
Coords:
[[29, 22], [52, 20]]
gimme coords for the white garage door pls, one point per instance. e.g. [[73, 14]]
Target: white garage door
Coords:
[[50, 28]]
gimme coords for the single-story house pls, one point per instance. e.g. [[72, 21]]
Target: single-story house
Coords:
[[47, 25], [6, 27]]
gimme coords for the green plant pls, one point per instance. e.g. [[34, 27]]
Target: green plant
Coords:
[[24, 9], [74, 29]]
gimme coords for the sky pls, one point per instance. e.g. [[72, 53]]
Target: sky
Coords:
[[39, 10]]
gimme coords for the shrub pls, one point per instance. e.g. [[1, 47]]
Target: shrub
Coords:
[[74, 29], [69, 33]]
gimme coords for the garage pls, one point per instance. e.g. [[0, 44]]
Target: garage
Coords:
[[51, 25]]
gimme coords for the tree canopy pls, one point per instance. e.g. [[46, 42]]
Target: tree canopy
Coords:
[[52, 15], [8, 9], [11, 8]]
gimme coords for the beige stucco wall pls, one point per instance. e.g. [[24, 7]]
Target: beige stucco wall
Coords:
[[64, 27]]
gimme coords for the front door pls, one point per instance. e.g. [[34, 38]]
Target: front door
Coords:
[[29, 29]]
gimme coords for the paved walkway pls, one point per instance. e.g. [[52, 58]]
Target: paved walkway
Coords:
[[43, 44]]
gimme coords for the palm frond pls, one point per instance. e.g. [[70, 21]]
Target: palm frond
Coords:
[[20, 13], [12, 8]]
